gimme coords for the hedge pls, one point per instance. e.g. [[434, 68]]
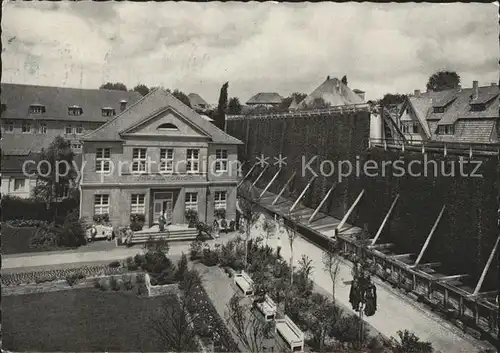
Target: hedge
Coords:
[[29, 209], [467, 231]]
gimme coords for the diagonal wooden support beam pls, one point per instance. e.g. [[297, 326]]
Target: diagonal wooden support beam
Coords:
[[342, 222], [321, 203], [427, 241], [385, 220], [302, 193], [399, 256], [429, 265], [269, 185], [492, 293], [283, 189], [246, 175], [486, 267], [260, 175], [451, 278]]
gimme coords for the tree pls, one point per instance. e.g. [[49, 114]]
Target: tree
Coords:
[[331, 263], [285, 103], [344, 80], [173, 324], [292, 233], [443, 80], [220, 114], [248, 206], [117, 86], [269, 227], [320, 319], [410, 343], [182, 97], [390, 99], [252, 331], [57, 172], [142, 89], [234, 107]]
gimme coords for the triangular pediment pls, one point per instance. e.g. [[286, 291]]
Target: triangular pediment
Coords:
[[165, 122]]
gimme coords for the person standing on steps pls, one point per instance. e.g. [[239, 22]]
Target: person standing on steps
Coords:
[[161, 222]]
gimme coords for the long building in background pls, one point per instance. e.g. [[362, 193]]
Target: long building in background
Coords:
[[464, 115], [32, 116]]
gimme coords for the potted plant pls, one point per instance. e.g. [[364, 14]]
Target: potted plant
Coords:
[[191, 218]]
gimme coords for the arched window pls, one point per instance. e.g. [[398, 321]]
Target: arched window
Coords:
[[168, 127]]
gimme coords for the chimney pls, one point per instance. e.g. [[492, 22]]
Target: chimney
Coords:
[[475, 89], [327, 77], [123, 105], [416, 93]]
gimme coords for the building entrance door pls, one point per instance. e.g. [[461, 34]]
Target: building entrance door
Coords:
[[163, 204]]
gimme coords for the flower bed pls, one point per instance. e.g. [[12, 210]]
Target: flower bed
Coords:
[[14, 279], [210, 326]]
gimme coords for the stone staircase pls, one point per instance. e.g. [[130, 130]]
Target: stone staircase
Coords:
[[174, 233]]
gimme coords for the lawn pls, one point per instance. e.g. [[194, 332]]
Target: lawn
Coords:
[[83, 320]]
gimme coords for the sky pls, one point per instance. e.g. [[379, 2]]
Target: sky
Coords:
[[256, 47]]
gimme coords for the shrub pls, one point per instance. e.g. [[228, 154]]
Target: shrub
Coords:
[[182, 267], [237, 265], [72, 232], [139, 260], [140, 279], [73, 278], [114, 264], [127, 283], [210, 257], [131, 264], [346, 329], [101, 218], [167, 276], [192, 218], [113, 283], [156, 262], [137, 221], [157, 245], [26, 223], [195, 249], [228, 253], [97, 283], [45, 237], [15, 208], [220, 213], [46, 278]]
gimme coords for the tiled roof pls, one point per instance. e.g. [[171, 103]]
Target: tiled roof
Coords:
[[56, 100], [332, 91], [265, 98], [196, 101], [470, 126], [147, 107], [23, 144], [14, 163]]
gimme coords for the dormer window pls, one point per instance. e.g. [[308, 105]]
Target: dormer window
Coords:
[[75, 110], [478, 107], [168, 127], [37, 109], [107, 111], [438, 109], [446, 129]]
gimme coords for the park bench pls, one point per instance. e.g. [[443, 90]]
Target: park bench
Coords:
[[268, 308], [244, 282], [290, 334]]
